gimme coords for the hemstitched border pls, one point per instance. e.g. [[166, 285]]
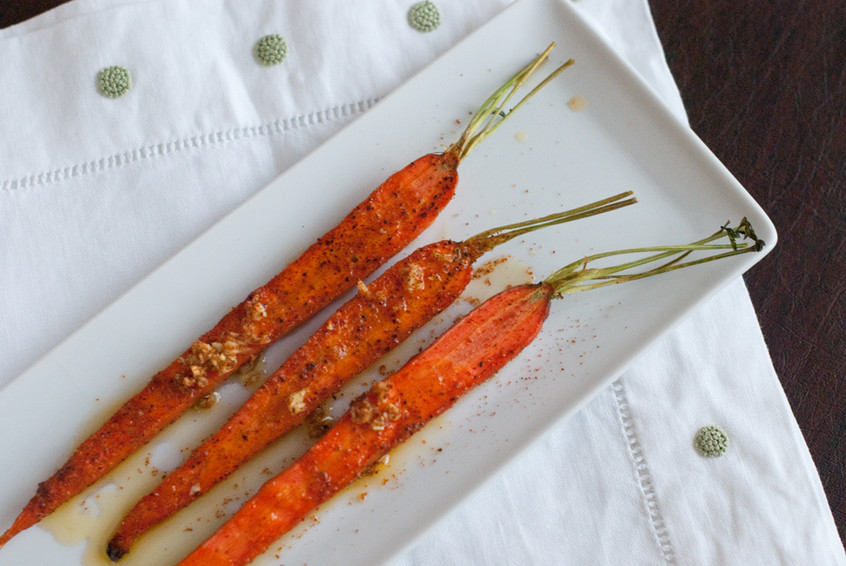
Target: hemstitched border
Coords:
[[151, 151], [643, 475]]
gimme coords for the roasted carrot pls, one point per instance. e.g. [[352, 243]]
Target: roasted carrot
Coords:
[[379, 227], [393, 409], [383, 314]]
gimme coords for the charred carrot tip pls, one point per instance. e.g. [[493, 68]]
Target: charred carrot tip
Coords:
[[114, 552], [25, 520]]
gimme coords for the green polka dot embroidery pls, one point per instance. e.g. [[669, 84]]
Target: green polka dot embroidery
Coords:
[[114, 81], [711, 441], [424, 16], [271, 49]]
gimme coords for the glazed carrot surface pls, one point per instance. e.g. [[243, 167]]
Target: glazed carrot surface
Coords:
[[393, 409], [383, 314], [375, 230]]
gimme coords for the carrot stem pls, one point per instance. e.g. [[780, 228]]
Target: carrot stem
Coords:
[[577, 277], [519, 228], [491, 114]]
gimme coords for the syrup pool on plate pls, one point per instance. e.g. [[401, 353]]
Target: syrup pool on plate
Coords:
[[90, 519]]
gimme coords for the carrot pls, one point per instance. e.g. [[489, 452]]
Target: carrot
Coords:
[[383, 314], [393, 409], [378, 228]]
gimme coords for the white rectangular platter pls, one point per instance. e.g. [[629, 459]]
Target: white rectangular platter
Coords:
[[548, 157]]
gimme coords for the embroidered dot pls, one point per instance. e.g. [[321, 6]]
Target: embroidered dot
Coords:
[[711, 441], [114, 81], [424, 16], [271, 49]]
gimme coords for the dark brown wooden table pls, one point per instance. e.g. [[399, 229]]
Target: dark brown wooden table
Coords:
[[764, 84]]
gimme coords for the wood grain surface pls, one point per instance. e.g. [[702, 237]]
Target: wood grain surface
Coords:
[[764, 84]]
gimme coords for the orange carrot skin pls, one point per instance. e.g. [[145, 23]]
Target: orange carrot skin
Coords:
[[392, 410], [379, 227], [379, 317]]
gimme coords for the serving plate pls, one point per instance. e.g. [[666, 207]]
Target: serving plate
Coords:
[[595, 131]]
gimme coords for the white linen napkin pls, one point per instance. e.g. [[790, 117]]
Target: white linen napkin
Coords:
[[95, 195]]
